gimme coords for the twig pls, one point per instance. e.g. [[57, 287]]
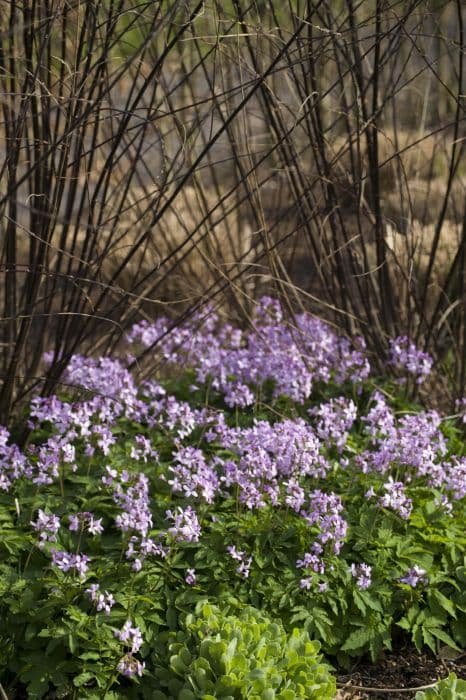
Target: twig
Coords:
[[2, 693], [370, 689]]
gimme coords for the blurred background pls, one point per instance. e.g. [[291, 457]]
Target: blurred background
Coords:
[[158, 155]]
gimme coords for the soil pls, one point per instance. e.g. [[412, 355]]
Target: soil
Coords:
[[399, 675]]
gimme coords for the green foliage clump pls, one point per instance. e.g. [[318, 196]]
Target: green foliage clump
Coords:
[[451, 688], [242, 655]]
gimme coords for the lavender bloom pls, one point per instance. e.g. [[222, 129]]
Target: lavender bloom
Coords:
[[295, 496], [13, 463], [186, 525], [461, 408], [244, 568], [244, 561], [311, 561], [144, 449], [131, 636], [237, 394], [190, 577], [415, 441], [68, 562], [104, 601], [129, 666], [362, 573], [290, 354], [138, 550], [105, 376], [335, 419], [47, 526], [51, 409], [380, 420], [87, 522], [131, 494], [93, 591], [414, 576], [396, 499], [192, 476], [324, 511], [49, 457], [454, 477], [105, 438], [178, 416], [405, 356], [266, 454], [234, 553]]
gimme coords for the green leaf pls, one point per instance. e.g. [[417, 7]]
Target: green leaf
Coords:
[[83, 678], [443, 602], [186, 694], [444, 637], [357, 639]]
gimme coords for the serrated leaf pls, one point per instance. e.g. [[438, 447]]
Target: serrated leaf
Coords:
[[443, 602], [357, 639], [83, 678], [444, 637], [359, 600]]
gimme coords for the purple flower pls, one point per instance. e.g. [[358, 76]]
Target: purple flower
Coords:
[[405, 356], [414, 576], [129, 666], [87, 522], [241, 557], [461, 408], [186, 526], [324, 512], [104, 601], [291, 354], [311, 561], [130, 635], [396, 499], [47, 526], [192, 475], [69, 562], [335, 419], [131, 494], [234, 553], [190, 577], [362, 573]]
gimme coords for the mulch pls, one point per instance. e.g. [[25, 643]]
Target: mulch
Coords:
[[399, 675]]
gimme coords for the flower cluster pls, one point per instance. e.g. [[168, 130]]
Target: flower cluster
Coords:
[[86, 521], [240, 556], [186, 526], [103, 601], [363, 575], [292, 355], [407, 358], [47, 525], [277, 463], [192, 476], [70, 562], [132, 639], [414, 442], [396, 499], [324, 511], [414, 577], [334, 421]]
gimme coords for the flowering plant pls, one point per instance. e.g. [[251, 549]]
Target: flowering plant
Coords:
[[290, 479]]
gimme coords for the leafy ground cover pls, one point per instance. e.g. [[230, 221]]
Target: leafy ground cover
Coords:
[[269, 508]]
